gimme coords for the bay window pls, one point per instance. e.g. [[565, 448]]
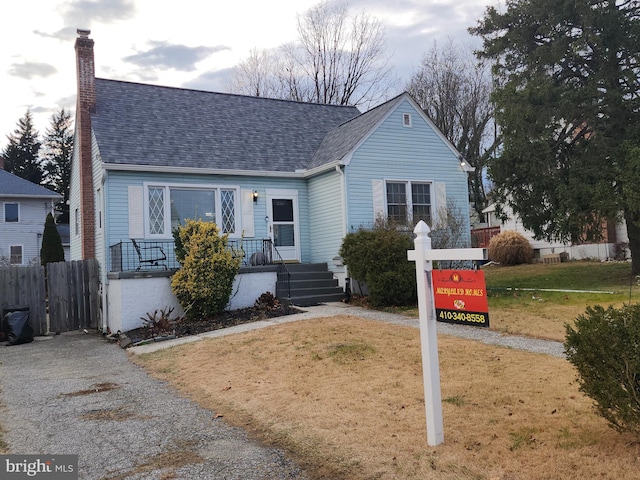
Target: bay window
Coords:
[[169, 206]]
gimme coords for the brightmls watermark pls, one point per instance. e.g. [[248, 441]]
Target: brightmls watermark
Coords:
[[50, 467]]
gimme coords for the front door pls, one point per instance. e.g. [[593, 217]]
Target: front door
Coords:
[[283, 223]]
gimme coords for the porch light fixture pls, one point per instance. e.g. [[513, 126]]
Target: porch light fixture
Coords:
[[255, 196]]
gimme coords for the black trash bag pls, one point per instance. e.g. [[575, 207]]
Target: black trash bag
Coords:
[[18, 328]]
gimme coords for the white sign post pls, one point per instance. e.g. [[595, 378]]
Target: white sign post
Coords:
[[423, 255]]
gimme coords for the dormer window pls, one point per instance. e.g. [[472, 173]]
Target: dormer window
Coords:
[[406, 120]]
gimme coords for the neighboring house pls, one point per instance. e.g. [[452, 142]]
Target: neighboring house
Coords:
[[613, 241], [286, 180], [63, 230], [25, 206]]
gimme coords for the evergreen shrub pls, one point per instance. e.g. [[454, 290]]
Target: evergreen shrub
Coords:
[[604, 347], [378, 257], [51, 250], [204, 284]]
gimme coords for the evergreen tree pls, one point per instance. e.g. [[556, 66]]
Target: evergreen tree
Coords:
[[21, 154], [51, 250], [567, 102], [57, 147]]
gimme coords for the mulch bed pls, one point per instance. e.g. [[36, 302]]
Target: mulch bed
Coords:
[[183, 327]]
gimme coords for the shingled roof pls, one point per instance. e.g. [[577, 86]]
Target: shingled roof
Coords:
[[14, 186], [138, 124]]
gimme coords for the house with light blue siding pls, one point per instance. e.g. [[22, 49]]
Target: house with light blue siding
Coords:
[[25, 206], [285, 180]]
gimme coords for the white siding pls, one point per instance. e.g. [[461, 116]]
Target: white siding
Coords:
[[98, 192], [75, 247], [27, 232]]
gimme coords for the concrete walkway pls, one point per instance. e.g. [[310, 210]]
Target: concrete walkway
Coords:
[[472, 333]]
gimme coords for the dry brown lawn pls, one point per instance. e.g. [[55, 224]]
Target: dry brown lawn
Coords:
[[545, 321], [345, 396]]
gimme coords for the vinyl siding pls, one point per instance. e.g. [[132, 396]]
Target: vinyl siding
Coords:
[[325, 211], [75, 247], [27, 232], [116, 200], [396, 152], [98, 190]]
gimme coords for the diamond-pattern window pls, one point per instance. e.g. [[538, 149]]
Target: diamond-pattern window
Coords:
[[156, 211], [228, 220], [169, 207]]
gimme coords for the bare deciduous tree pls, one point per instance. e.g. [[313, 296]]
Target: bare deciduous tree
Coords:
[[454, 90], [338, 59]]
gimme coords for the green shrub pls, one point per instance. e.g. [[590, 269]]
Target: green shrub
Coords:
[[51, 250], [204, 284], [604, 347], [378, 257], [510, 248], [393, 288]]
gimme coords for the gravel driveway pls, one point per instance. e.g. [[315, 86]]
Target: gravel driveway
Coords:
[[78, 394]]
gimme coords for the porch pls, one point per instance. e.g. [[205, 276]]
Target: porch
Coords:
[[480, 237], [148, 256], [139, 281]]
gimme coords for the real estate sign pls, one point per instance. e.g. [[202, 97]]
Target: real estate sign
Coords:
[[460, 296]]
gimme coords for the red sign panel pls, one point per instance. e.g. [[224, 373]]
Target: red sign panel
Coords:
[[460, 296]]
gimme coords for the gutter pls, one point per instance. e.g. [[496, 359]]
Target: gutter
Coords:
[[302, 173], [201, 171]]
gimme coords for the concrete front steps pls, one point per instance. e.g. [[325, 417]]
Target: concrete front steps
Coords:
[[310, 284]]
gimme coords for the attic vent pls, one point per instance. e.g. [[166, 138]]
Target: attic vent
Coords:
[[406, 119]]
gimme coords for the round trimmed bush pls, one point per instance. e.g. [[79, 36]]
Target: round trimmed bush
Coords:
[[510, 248]]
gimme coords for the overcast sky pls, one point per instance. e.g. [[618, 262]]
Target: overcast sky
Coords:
[[184, 43]]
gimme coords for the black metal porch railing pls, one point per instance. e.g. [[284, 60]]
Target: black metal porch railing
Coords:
[[134, 255], [283, 276]]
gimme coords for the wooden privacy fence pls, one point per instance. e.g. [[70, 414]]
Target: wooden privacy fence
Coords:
[[24, 287], [73, 295]]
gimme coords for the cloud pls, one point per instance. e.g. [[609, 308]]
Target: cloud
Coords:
[[84, 12], [164, 55], [64, 34], [212, 81], [29, 70]]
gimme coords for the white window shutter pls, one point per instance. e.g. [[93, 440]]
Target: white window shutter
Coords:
[[136, 212], [441, 201], [377, 187], [248, 229]]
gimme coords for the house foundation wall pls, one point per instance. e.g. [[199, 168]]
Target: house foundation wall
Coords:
[[130, 297], [593, 251]]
